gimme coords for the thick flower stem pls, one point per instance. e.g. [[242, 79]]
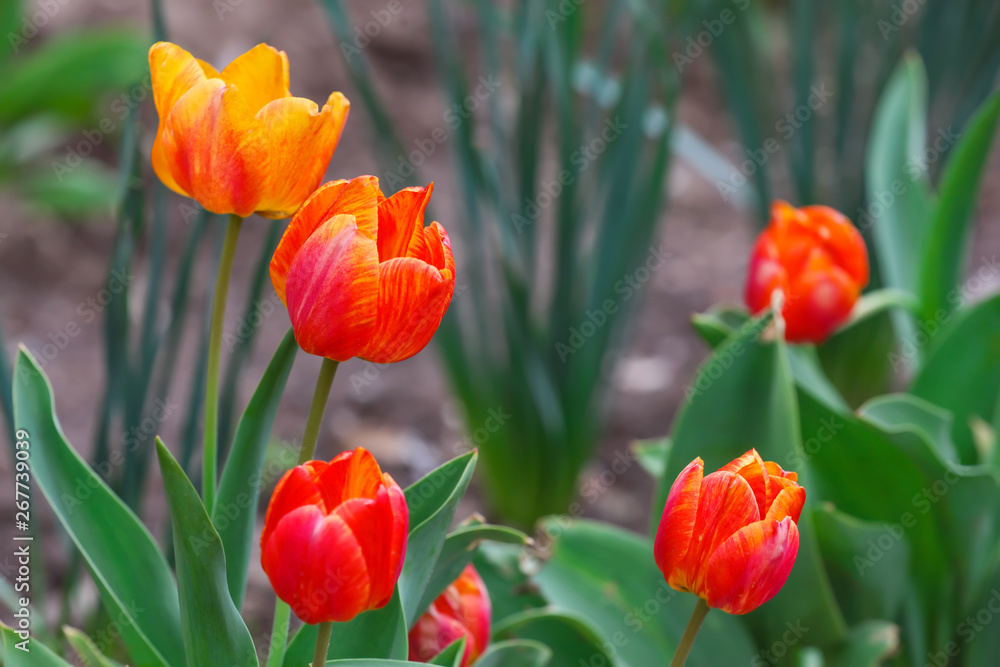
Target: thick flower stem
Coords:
[[214, 358], [322, 644], [320, 396], [687, 641], [279, 635]]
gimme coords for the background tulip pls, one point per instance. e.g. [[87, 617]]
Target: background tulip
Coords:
[[463, 609], [818, 259], [236, 140], [361, 275], [335, 537], [730, 537]]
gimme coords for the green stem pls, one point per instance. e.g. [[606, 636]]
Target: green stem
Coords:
[[687, 641], [279, 634], [214, 357], [320, 396], [322, 644]]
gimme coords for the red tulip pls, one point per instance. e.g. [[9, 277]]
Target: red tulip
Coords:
[[731, 537], [335, 537], [818, 259], [236, 140], [463, 609], [361, 275]]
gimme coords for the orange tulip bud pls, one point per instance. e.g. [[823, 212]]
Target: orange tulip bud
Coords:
[[818, 259], [361, 275], [463, 609], [335, 537], [731, 537], [236, 140]]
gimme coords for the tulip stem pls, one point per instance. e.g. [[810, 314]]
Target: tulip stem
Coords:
[[322, 643], [210, 452], [320, 396], [687, 641]]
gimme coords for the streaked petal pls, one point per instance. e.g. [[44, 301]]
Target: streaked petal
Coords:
[[788, 503], [353, 474], [357, 197], [400, 220], [261, 74], [299, 140], [332, 290], [750, 567], [412, 298], [677, 520], [751, 467]]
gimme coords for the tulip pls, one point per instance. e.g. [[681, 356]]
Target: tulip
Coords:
[[361, 275], [236, 140], [463, 609], [817, 258], [730, 537], [335, 537]]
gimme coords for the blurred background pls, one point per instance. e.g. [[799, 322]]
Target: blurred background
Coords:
[[673, 124]]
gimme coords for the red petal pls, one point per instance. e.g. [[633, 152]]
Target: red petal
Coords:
[[750, 568], [296, 488], [400, 221], [353, 474], [788, 502], [677, 520], [286, 552], [336, 581], [332, 290]]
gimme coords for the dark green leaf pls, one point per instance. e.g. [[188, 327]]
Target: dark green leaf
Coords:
[[571, 639], [522, 653]]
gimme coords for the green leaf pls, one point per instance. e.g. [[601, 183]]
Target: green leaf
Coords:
[[879, 301], [511, 589], [951, 220], [451, 656], [869, 644], [214, 632], [133, 578], [608, 576], [432, 501], [718, 324], [35, 653], [744, 396], [570, 637], [380, 633], [235, 507], [87, 650], [518, 652], [458, 550], [961, 371], [652, 455]]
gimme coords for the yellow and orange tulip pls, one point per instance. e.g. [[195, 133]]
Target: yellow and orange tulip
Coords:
[[236, 140], [361, 275], [818, 259], [730, 537]]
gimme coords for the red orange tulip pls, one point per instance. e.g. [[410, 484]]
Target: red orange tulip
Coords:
[[236, 140], [335, 537], [731, 537], [463, 609], [361, 275], [818, 259]]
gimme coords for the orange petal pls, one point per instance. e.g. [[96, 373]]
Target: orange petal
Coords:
[[351, 475], [332, 290], [208, 148], [357, 197], [788, 502], [412, 298], [299, 140], [751, 467], [400, 220], [726, 505], [261, 74], [842, 241], [173, 72], [750, 567], [677, 521]]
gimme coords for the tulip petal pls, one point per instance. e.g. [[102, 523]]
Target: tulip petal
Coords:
[[299, 140], [261, 74], [353, 474], [173, 72], [286, 548], [819, 302], [842, 241], [788, 502], [401, 222], [412, 298], [337, 587], [357, 197], [372, 522], [333, 290], [400, 526], [295, 489], [750, 567], [751, 467], [208, 148], [726, 505], [677, 521]]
